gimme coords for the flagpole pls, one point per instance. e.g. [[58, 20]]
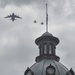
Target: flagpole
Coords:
[[46, 19]]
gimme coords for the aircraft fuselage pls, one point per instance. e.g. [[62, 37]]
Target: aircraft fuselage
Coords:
[[13, 17]]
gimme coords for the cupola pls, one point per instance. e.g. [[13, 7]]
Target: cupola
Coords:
[[47, 45]]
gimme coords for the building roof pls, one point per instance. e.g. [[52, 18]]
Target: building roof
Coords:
[[47, 34], [39, 68]]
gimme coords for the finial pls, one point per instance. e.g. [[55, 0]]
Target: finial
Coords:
[[46, 18]]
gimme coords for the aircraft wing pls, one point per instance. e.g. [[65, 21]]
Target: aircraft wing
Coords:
[[18, 17], [8, 16]]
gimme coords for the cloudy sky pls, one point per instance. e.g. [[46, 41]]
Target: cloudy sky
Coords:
[[17, 47]]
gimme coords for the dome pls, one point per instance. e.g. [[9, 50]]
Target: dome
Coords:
[[47, 34], [39, 68]]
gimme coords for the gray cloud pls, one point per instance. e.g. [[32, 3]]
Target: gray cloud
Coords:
[[58, 10], [17, 47], [21, 2]]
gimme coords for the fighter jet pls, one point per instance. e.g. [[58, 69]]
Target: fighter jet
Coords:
[[35, 21], [42, 23], [13, 16]]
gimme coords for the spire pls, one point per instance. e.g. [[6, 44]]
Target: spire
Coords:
[[47, 44], [46, 18]]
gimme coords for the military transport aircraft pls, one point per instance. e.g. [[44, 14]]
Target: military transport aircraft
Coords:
[[13, 16]]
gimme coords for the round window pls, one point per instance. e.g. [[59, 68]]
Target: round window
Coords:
[[50, 71]]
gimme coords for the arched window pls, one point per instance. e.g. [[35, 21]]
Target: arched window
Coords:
[[45, 49], [50, 49], [50, 70]]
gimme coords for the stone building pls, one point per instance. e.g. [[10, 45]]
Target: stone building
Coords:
[[47, 63]]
